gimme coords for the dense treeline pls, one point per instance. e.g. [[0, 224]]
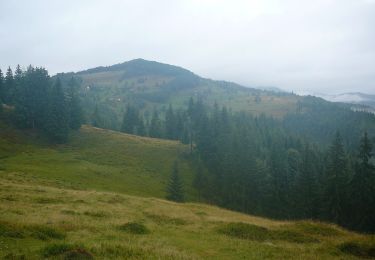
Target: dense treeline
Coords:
[[257, 165], [170, 124], [318, 120], [38, 102]]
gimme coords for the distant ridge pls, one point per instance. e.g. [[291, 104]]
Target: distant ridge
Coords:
[[139, 67]]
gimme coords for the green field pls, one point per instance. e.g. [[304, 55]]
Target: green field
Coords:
[[96, 159], [100, 196]]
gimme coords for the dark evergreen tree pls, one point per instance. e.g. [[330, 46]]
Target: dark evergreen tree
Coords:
[[363, 189], [175, 190], [170, 124], [18, 86], [307, 188], [130, 121], [31, 104], [155, 126], [141, 128], [8, 87], [57, 124], [1, 88], [96, 119], [336, 182], [74, 105]]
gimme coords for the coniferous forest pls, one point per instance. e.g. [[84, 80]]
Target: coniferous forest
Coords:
[[40, 103], [255, 164]]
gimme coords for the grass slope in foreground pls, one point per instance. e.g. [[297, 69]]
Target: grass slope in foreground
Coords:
[[95, 159], [58, 223], [68, 202]]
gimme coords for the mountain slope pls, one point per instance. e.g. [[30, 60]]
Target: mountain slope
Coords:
[[150, 84]]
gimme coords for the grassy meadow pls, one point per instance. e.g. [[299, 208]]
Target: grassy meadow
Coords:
[[96, 159], [101, 197], [59, 223]]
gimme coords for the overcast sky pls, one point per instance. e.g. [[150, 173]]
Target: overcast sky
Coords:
[[301, 45]]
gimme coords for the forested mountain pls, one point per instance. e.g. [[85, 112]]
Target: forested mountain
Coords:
[[149, 85], [265, 153], [151, 88]]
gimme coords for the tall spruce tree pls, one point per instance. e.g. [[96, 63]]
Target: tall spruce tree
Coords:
[[307, 186], [57, 125], [170, 124], [96, 119], [175, 190], [141, 128], [363, 189], [130, 121], [1, 89], [156, 126], [336, 182], [18, 85], [8, 86], [74, 105]]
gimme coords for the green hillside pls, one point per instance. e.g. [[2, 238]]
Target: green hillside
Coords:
[[40, 221], [95, 159]]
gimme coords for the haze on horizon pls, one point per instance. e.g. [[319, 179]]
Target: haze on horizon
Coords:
[[303, 46]]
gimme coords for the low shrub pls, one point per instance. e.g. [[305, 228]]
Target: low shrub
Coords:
[[257, 233], [45, 233], [95, 214], [320, 229], [165, 220], [134, 228], [11, 230], [66, 251], [245, 231], [293, 236], [358, 249], [56, 249]]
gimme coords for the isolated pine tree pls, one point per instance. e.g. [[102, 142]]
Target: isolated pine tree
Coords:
[[175, 187]]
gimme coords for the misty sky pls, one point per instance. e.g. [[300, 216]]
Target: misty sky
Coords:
[[301, 45]]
